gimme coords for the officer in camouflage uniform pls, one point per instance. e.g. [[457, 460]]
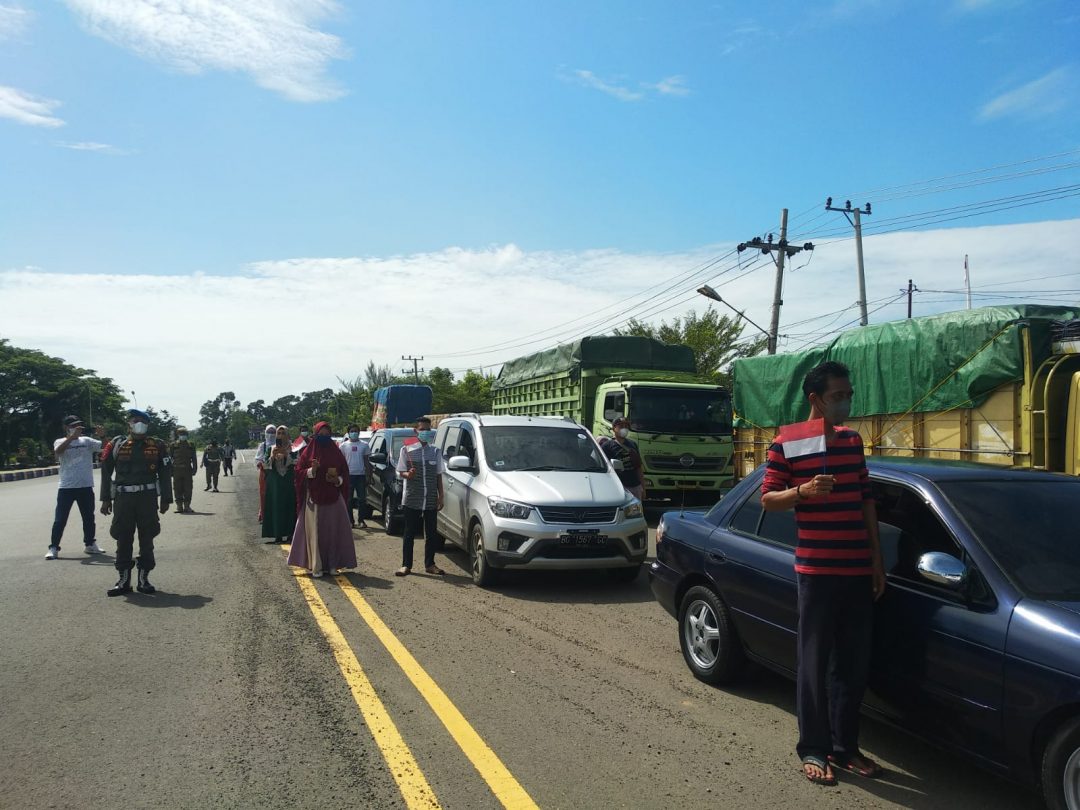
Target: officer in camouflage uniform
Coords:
[[185, 463], [211, 460], [142, 470]]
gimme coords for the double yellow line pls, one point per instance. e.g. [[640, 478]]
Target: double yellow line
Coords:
[[410, 778]]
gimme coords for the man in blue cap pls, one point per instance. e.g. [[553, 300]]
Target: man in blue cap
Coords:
[[143, 477]]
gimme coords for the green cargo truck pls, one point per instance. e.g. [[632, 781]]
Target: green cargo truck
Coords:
[[682, 426]]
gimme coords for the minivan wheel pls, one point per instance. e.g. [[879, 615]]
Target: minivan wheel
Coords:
[[482, 573], [709, 644], [1061, 768], [391, 524]]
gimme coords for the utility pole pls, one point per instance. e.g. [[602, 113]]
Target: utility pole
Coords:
[[857, 224], [911, 288], [415, 370], [967, 281], [783, 251]]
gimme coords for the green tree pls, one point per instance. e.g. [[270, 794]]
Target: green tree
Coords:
[[240, 427], [214, 416], [716, 339], [377, 376]]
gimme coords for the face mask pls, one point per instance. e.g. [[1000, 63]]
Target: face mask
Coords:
[[139, 428], [324, 439], [426, 436], [270, 438], [354, 435], [305, 433], [623, 432], [182, 437], [837, 412]]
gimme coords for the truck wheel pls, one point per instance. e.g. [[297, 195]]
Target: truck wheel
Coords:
[[1060, 774], [624, 576], [391, 524], [483, 575], [707, 637]]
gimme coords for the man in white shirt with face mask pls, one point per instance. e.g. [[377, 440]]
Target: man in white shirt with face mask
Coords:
[[356, 452], [76, 455]]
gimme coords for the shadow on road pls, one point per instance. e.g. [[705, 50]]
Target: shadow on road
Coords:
[[365, 582], [164, 599]]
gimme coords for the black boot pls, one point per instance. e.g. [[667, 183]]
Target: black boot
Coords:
[[144, 585], [123, 585]]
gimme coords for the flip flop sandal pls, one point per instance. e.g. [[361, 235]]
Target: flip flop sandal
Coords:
[[871, 770], [825, 780]]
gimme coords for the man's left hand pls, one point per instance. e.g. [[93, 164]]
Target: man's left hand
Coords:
[[879, 582], [164, 507], [439, 504]]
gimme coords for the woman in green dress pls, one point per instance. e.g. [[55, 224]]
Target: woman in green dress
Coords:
[[279, 515]]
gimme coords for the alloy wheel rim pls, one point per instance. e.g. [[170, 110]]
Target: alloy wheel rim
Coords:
[[1070, 781], [701, 633], [478, 554]]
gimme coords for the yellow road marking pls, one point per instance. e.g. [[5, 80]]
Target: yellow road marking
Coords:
[[502, 783], [410, 779]]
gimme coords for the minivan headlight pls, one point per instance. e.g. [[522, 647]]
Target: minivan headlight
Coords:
[[632, 509], [509, 509]]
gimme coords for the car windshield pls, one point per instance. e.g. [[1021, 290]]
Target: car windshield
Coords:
[[396, 443], [540, 448], [1029, 527], [680, 410]]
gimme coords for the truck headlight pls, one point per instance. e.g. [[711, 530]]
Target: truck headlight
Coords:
[[632, 510], [509, 509]]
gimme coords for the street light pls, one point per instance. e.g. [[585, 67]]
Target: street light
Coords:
[[709, 292], [89, 398]]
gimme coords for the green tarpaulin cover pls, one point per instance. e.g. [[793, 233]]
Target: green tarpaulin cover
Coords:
[[618, 352], [895, 365]]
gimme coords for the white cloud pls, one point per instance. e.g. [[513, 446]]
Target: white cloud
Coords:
[[273, 41], [13, 21], [24, 108], [278, 326], [91, 146], [1036, 99], [670, 86], [586, 78]]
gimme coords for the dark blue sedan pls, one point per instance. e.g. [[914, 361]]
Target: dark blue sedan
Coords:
[[977, 638]]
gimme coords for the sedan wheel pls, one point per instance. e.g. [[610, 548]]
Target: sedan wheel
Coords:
[[1061, 768], [709, 644], [482, 574], [391, 524]]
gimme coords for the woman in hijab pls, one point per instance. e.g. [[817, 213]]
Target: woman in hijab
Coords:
[[322, 541], [279, 516]]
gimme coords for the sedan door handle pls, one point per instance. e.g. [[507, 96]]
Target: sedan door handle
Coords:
[[716, 556]]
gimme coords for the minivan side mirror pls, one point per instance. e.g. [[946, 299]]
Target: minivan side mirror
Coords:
[[459, 463], [617, 465], [377, 458], [942, 569]]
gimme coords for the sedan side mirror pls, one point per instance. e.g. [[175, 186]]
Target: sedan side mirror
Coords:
[[942, 569], [459, 463], [377, 458]]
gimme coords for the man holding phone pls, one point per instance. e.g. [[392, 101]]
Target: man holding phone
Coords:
[[76, 455], [420, 466]]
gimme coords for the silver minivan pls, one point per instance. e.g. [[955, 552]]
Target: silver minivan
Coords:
[[536, 492]]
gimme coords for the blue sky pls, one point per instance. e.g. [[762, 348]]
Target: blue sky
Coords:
[[530, 139]]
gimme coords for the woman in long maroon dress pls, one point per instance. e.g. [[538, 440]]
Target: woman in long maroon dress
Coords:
[[322, 541]]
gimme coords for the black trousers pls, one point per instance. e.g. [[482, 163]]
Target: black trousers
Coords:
[[836, 620], [213, 468], [226, 465], [414, 518], [84, 497], [135, 511], [358, 494]]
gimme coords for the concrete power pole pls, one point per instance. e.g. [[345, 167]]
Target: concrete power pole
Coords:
[[415, 370], [857, 224], [911, 288], [783, 251]]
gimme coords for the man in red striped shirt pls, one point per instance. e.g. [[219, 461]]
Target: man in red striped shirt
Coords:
[[838, 567]]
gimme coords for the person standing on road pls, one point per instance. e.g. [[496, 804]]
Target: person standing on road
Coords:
[[228, 456], [819, 469], [185, 463], [322, 541], [211, 460], [618, 446], [356, 452], [261, 455], [75, 453], [279, 521], [420, 466], [141, 466]]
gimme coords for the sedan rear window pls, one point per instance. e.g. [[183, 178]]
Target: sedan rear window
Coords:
[[1031, 528]]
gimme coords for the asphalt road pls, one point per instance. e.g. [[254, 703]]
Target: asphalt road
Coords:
[[222, 690]]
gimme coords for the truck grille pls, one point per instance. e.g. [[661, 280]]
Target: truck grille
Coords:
[[577, 514], [674, 463]]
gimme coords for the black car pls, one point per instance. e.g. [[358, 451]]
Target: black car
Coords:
[[976, 639], [383, 487]]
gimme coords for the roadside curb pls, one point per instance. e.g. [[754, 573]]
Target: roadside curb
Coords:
[[36, 472]]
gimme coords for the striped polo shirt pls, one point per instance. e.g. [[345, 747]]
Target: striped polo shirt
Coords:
[[421, 491], [832, 533]]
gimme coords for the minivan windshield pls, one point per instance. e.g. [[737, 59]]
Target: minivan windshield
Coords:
[[1029, 528], [540, 448], [680, 410]]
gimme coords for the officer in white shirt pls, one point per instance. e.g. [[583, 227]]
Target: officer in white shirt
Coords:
[[76, 455], [356, 452]]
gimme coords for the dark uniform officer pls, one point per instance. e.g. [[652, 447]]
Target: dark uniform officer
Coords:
[[185, 463], [211, 460], [142, 468]]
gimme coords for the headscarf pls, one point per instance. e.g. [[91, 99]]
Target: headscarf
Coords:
[[318, 488], [269, 436]]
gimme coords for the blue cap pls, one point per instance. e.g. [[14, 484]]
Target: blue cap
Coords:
[[136, 413]]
